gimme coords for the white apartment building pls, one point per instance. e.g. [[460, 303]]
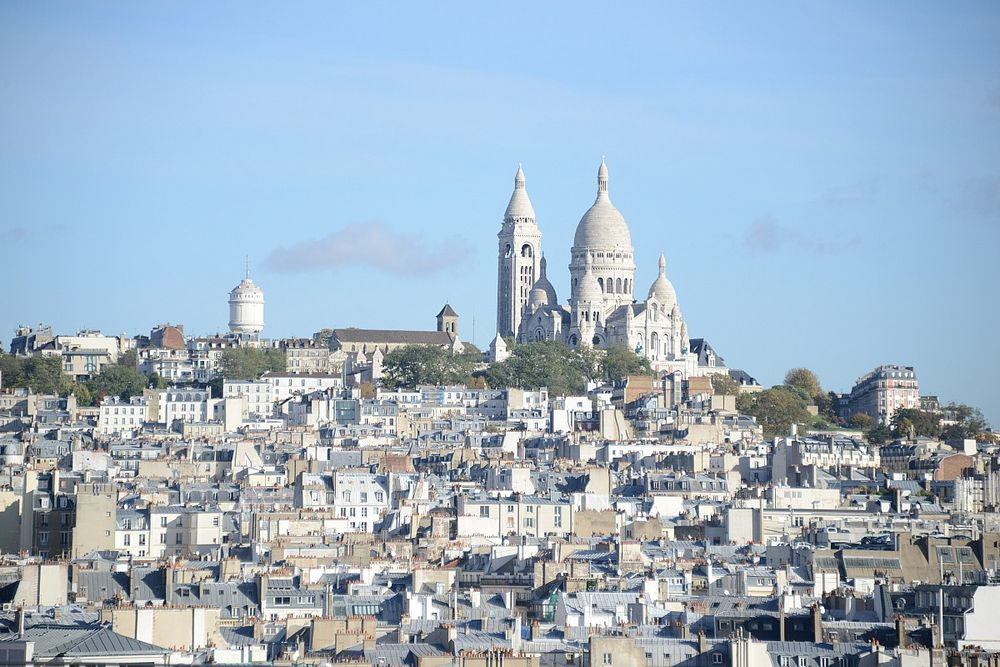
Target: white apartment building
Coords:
[[132, 533], [118, 417], [173, 365], [183, 531], [185, 405], [359, 499], [499, 517], [258, 396], [286, 385]]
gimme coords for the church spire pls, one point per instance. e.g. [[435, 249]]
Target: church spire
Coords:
[[519, 209], [602, 179]]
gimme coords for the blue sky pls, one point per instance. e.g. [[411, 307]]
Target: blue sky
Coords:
[[824, 179]]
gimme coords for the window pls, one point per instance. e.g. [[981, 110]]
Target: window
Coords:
[[127, 540], [607, 658], [177, 539], [484, 510], [716, 658], [142, 539], [163, 521]]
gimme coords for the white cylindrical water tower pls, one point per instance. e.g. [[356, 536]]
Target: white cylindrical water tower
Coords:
[[246, 308]]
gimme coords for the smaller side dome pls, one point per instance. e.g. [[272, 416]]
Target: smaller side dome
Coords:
[[589, 290], [662, 290], [537, 298], [543, 284]]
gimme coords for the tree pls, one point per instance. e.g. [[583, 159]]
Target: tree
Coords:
[[12, 369], [116, 380], [323, 337], [129, 360], [618, 362], [216, 385], [826, 405], [83, 396], [44, 375], [541, 364], [723, 383], [909, 422], [879, 435], [804, 379], [367, 390], [776, 409], [476, 382], [969, 422], [414, 365], [862, 421], [249, 363]]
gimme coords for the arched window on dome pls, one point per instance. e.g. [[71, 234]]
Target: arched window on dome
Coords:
[[526, 251], [618, 285], [540, 335], [654, 345], [508, 251], [600, 283]]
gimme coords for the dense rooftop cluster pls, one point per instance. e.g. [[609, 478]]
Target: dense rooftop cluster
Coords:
[[315, 515]]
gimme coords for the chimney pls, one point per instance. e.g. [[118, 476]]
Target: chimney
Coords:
[[19, 617], [781, 618], [900, 631], [702, 642], [817, 619]]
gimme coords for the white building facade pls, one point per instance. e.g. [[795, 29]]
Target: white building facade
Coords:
[[602, 311]]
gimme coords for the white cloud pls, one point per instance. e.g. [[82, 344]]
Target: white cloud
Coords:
[[372, 245]]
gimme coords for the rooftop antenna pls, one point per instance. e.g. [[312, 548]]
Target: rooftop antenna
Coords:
[[247, 259]]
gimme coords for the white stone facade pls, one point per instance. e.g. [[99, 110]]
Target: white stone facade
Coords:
[[602, 310]]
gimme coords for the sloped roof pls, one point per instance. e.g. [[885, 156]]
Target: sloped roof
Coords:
[[392, 336], [75, 641], [447, 311]]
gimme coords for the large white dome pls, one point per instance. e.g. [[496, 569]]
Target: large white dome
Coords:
[[602, 226]]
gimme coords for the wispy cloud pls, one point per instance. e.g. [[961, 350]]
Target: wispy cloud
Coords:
[[14, 235], [766, 235], [371, 245]]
